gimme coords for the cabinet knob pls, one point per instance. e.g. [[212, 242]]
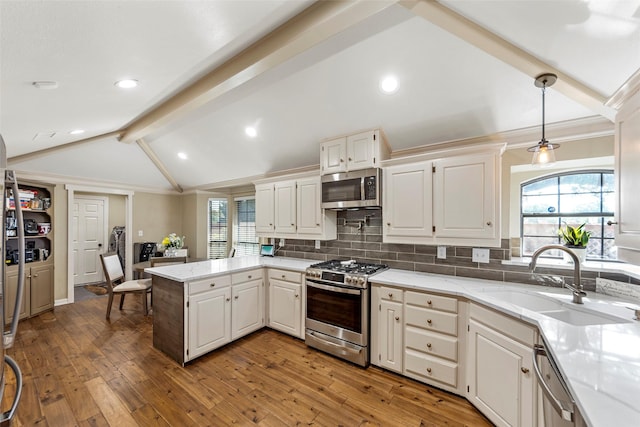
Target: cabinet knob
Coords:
[[228, 299], [292, 224], [350, 159], [249, 276], [429, 370], [429, 302], [397, 318], [35, 275], [388, 224], [489, 223], [236, 297], [317, 224], [283, 276], [428, 345], [524, 370], [429, 321], [212, 285], [29, 277], [341, 160], [390, 295], [296, 295]]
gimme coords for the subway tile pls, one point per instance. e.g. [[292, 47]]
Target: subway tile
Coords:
[[463, 251], [457, 261], [372, 246], [435, 269], [426, 259], [506, 243], [352, 237], [382, 255], [400, 264], [430, 250], [497, 254], [480, 274], [398, 247], [374, 238], [337, 244], [353, 253]]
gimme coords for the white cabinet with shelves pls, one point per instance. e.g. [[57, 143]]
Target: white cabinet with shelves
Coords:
[[292, 208], [452, 200], [363, 150], [286, 302], [501, 382], [247, 311]]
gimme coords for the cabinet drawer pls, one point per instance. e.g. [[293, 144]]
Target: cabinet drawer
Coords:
[[217, 282], [390, 294], [432, 343], [435, 302], [246, 276], [287, 276], [432, 320], [427, 368]]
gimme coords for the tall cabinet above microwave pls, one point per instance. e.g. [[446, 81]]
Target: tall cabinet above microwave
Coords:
[[363, 150]]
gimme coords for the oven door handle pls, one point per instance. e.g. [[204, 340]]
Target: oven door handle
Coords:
[[334, 288]]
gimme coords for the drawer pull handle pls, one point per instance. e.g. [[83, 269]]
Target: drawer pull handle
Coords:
[[429, 370], [429, 302], [397, 317], [429, 321], [428, 345], [524, 370]]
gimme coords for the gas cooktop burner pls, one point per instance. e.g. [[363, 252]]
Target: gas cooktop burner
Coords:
[[350, 266]]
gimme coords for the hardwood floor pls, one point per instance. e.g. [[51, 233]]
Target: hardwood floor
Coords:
[[80, 369]]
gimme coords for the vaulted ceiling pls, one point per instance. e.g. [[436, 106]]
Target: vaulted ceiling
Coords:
[[298, 72]]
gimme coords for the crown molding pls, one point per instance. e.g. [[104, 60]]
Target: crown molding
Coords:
[[628, 88]]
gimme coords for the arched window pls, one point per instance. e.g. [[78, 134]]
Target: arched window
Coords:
[[574, 198]]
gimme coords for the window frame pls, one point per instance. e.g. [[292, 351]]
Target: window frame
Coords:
[[236, 229]]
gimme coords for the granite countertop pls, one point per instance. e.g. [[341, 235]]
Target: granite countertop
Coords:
[[600, 363]]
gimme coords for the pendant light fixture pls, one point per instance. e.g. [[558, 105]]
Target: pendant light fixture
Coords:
[[543, 152]]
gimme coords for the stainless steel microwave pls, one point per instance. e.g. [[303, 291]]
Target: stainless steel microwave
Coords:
[[355, 189]]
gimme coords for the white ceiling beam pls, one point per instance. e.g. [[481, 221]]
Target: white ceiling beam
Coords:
[[314, 25], [158, 163], [501, 49]]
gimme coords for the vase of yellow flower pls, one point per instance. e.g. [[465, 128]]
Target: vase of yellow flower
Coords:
[[172, 243]]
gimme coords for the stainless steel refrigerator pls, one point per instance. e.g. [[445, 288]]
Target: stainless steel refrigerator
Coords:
[[10, 188]]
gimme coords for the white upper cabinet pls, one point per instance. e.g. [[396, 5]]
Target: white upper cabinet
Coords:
[[264, 208], [285, 207], [360, 151], [467, 197], [627, 155], [407, 200], [445, 200], [333, 155], [293, 208]]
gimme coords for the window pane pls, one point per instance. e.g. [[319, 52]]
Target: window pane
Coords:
[[530, 244], [545, 186], [608, 202], [540, 204], [584, 202], [580, 183], [244, 233], [217, 235], [532, 226], [608, 182]]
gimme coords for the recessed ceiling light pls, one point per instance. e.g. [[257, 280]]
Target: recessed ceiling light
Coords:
[[77, 131], [47, 85], [126, 83], [251, 131], [182, 155], [389, 84]]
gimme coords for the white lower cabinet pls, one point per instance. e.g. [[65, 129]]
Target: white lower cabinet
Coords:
[[209, 315], [389, 319], [286, 302], [247, 311], [501, 382]]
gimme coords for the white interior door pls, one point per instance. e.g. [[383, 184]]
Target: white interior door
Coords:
[[88, 239]]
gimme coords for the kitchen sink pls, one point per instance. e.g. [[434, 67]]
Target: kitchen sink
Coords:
[[527, 300], [583, 318], [548, 306]]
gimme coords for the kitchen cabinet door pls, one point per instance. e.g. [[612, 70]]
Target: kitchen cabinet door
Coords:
[[209, 321], [285, 307], [11, 289], [363, 150], [333, 156], [500, 377], [627, 156], [41, 288], [467, 198], [309, 209], [406, 204], [390, 327], [247, 313], [264, 208], [285, 207]]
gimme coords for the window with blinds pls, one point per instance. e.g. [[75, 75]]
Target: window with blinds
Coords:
[[244, 233], [217, 228]]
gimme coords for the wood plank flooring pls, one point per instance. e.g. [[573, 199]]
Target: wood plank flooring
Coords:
[[81, 370]]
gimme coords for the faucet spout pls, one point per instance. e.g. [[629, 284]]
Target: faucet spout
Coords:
[[577, 288]]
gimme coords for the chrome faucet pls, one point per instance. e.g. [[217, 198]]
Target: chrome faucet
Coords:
[[577, 289]]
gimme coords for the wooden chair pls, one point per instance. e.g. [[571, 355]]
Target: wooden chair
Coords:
[[167, 260], [115, 285]]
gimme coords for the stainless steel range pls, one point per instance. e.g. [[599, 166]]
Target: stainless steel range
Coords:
[[338, 309]]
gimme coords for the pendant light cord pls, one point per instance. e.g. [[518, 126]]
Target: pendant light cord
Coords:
[[544, 89]]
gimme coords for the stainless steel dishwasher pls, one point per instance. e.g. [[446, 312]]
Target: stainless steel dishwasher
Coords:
[[559, 408]]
